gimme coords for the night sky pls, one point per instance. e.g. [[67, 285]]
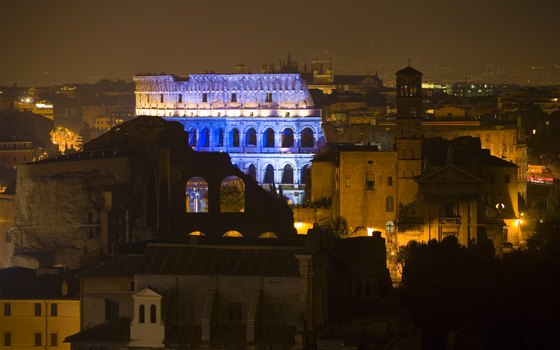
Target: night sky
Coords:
[[52, 42]]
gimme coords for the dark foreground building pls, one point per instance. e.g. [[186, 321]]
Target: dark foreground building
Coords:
[[135, 183]]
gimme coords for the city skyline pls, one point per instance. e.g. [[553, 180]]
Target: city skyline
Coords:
[[55, 42]]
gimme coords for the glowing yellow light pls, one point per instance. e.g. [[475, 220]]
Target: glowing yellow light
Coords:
[[298, 225], [370, 231]]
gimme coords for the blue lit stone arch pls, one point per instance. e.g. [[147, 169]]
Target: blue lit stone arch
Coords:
[[232, 140], [192, 133], [251, 170], [287, 139], [219, 137], [269, 137], [251, 136], [288, 173], [269, 174], [308, 137], [204, 137]]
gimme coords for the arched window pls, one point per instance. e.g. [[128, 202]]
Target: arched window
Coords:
[[152, 313], [220, 137], [236, 234], [268, 174], [234, 137], [204, 138], [232, 195], [268, 235], [268, 138], [307, 138], [288, 174], [389, 204], [196, 194], [252, 171], [251, 137], [287, 138], [141, 314], [197, 233], [192, 137], [305, 175]]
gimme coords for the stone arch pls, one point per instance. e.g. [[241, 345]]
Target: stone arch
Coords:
[[268, 138], [233, 233], [204, 137], [268, 234], [234, 137], [219, 137], [287, 137], [232, 195], [251, 137], [268, 177], [196, 195], [192, 136], [307, 138], [196, 233], [305, 176], [287, 174], [252, 171]]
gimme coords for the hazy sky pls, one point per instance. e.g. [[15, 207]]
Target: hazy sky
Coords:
[[48, 41]]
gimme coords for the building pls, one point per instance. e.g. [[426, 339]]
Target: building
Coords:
[[243, 294], [139, 181], [267, 123], [373, 189], [463, 191], [39, 311], [14, 151]]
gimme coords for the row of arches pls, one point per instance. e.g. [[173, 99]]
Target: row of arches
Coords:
[[236, 234], [232, 195], [142, 313], [286, 138]]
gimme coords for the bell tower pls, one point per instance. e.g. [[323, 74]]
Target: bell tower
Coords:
[[408, 136]]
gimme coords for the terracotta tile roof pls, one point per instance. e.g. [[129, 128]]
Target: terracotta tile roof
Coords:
[[177, 259], [274, 336], [175, 335], [229, 335], [117, 331]]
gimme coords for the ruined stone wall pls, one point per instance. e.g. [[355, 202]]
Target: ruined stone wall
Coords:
[[58, 207]]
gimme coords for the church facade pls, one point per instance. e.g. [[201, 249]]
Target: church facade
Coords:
[[267, 123]]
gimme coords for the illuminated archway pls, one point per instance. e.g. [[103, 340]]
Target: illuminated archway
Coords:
[[196, 233], [220, 137], [236, 234], [287, 138], [268, 235], [251, 137], [196, 195], [234, 137], [307, 138], [192, 137], [268, 174], [268, 138], [252, 171], [204, 138], [305, 175], [232, 195], [288, 174]]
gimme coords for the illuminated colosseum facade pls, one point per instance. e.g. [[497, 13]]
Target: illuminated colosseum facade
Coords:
[[266, 122]]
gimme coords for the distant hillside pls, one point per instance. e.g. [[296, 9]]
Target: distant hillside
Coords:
[[25, 126]]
